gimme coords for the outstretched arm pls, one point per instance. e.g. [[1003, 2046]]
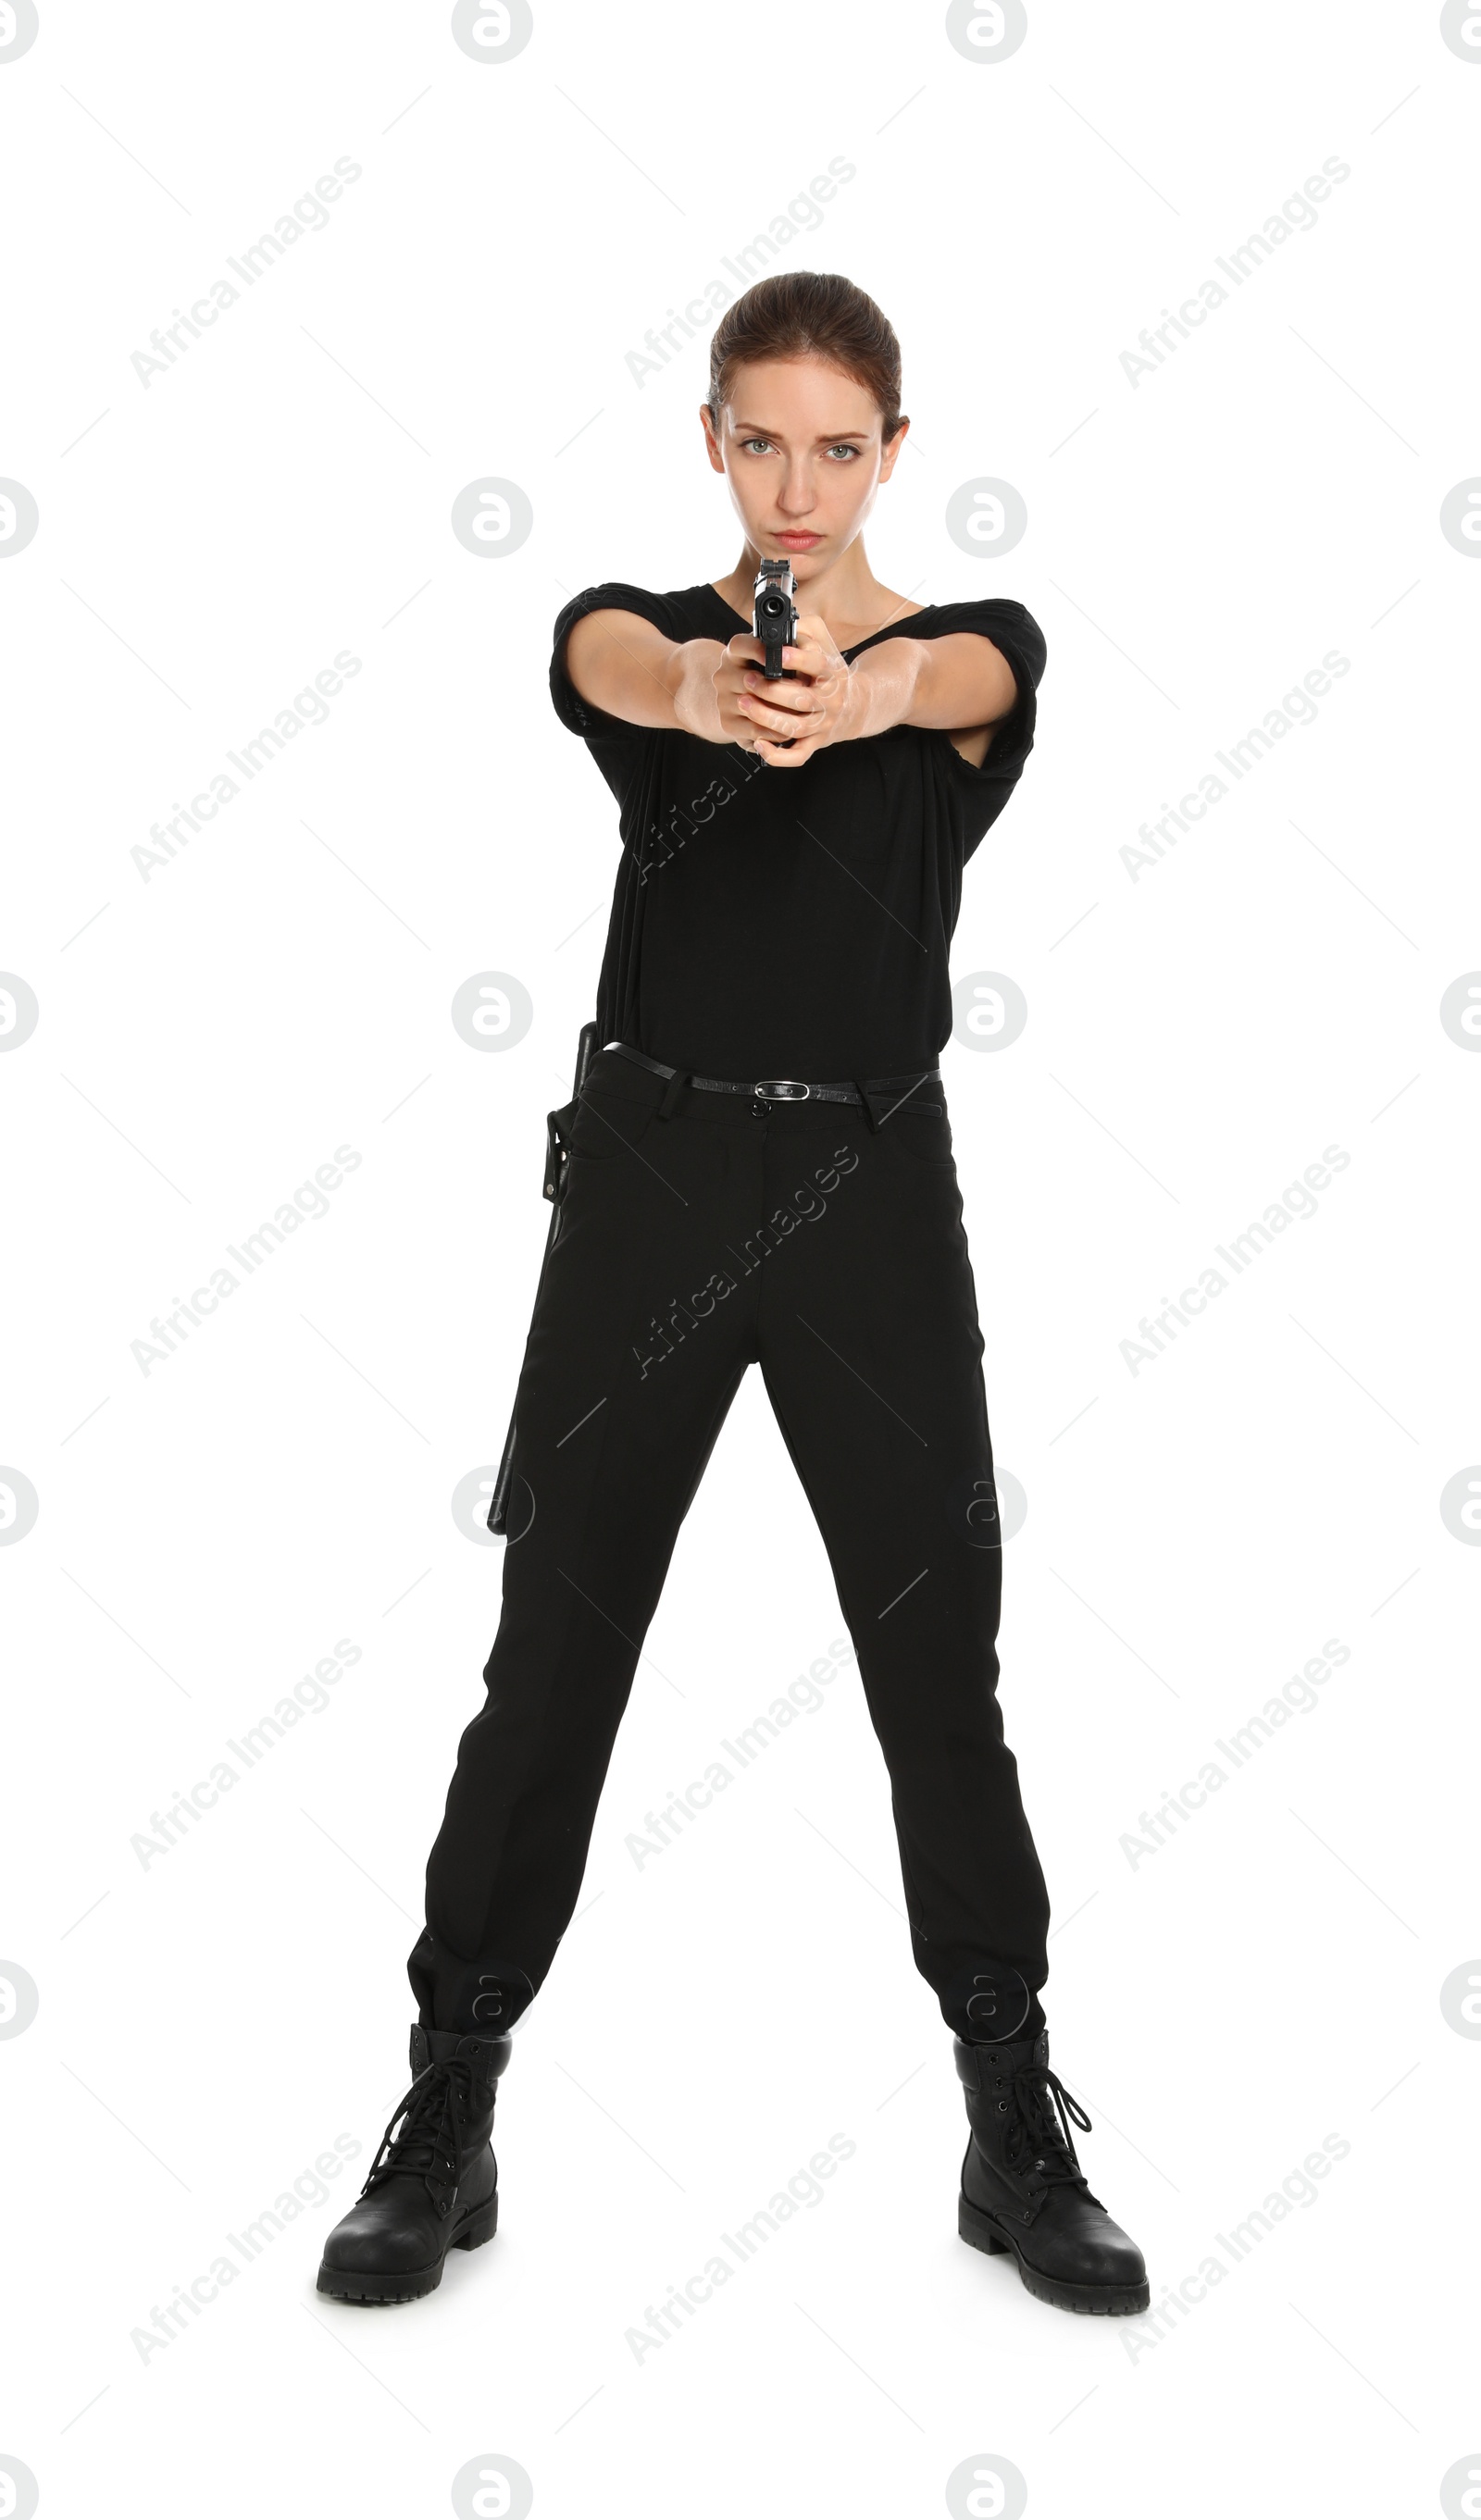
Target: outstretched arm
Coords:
[[625, 665], [960, 683]]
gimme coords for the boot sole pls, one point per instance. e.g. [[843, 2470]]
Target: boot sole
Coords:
[[351, 2284], [1110, 2300]]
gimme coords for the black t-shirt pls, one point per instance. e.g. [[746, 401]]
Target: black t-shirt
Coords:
[[792, 922]]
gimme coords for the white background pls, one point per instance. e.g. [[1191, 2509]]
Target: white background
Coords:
[[1196, 1530]]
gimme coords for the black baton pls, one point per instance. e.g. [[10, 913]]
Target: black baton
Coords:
[[558, 1129]]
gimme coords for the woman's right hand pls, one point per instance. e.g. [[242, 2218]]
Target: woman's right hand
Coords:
[[743, 655]]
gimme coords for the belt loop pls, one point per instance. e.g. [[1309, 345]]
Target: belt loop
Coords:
[[862, 1089], [671, 1092]]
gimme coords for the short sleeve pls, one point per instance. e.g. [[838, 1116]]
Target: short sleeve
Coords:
[[1017, 634], [579, 714]]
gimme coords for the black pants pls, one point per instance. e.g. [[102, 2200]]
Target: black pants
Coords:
[[688, 1245]]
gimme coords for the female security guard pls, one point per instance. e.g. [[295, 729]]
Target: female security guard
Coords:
[[760, 1170]]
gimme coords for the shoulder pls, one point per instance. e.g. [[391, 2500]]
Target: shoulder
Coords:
[[1009, 626], [673, 613]]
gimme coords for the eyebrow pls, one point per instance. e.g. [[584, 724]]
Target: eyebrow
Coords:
[[826, 437]]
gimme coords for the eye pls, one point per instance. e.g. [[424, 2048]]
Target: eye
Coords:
[[840, 449], [749, 444]]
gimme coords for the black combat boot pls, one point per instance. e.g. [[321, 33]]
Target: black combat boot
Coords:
[[1022, 2187], [433, 2185]]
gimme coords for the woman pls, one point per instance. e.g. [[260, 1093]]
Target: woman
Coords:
[[760, 1170]]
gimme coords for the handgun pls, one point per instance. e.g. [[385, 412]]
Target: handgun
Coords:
[[774, 615]]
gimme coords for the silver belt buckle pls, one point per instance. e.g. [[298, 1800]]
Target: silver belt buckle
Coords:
[[782, 1089]]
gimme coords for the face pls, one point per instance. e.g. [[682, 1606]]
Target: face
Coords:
[[799, 444]]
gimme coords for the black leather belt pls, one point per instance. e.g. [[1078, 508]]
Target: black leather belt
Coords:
[[766, 1090]]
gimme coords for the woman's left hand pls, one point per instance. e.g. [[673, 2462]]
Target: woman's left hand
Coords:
[[811, 709]]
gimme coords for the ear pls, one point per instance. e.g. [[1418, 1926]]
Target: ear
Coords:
[[887, 461], [711, 441]]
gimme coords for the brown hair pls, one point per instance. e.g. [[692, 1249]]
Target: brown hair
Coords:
[[809, 315]]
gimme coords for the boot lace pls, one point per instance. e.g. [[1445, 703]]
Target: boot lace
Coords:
[[430, 2119], [1037, 2136]]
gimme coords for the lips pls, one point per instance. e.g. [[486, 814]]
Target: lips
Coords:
[[798, 542]]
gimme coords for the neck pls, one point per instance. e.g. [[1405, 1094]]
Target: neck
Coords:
[[846, 592]]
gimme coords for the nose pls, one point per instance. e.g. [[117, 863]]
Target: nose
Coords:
[[797, 499]]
